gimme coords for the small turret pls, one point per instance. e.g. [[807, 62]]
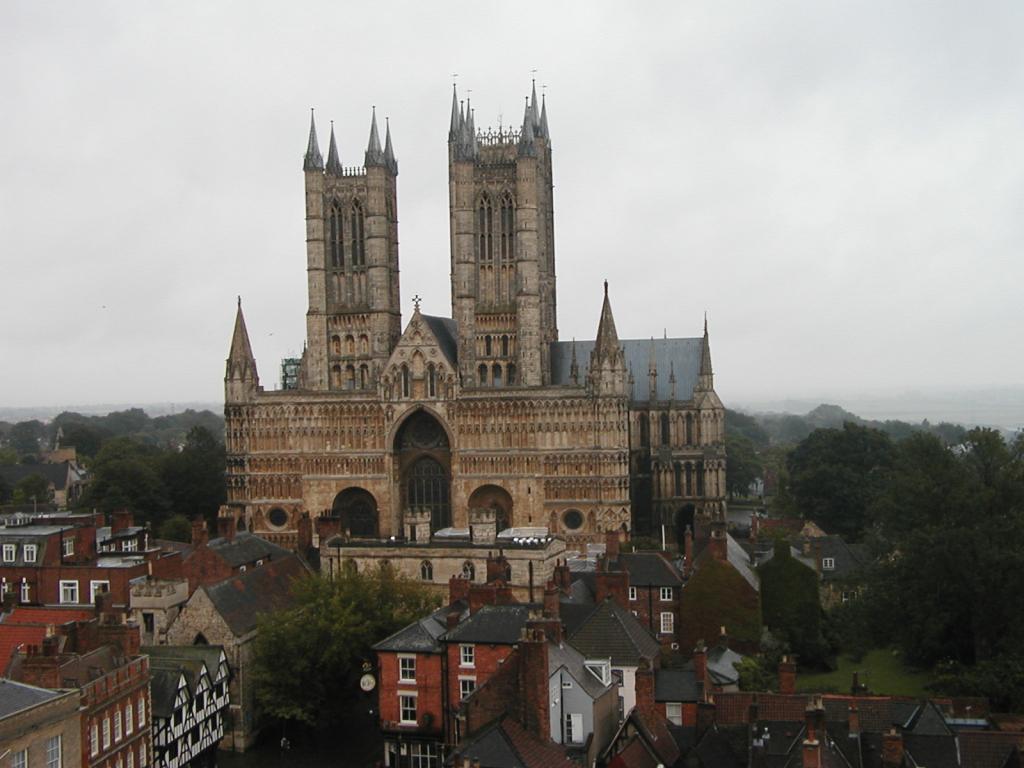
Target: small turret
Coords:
[[456, 122], [374, 154], [313, 160], [240, 377], [543, 132], [333, 161], [607, 374]]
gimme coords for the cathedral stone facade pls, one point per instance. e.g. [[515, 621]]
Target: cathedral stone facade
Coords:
[[485, 413]]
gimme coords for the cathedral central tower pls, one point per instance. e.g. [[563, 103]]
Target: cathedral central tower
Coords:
[[502, 248]]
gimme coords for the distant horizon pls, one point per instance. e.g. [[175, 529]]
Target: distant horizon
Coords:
[[997, 406]]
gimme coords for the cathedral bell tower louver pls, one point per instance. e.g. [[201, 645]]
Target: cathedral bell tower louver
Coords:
[[354, 316], [502, 248]]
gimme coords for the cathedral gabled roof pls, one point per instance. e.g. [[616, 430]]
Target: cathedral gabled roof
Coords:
[[681, 356], [446, 332]]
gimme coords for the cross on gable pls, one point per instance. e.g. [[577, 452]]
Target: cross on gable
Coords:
[[416, 302]]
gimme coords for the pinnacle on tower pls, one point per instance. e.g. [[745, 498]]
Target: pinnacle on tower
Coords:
[[706, 378], [313, 161], [607, 373], [456, 122], [574, 368], [543, 132], [389, 152], [333, 161], [533, 104], [527, 147], [374, 154]]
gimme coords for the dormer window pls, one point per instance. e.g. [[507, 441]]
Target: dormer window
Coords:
[[828, 563], [10, 552], [31, 551], [69, 547], [601, 669]]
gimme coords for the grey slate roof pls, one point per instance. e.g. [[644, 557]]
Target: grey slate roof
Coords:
[[847, 561], [246, 548], [242, 598], [566, 656], [491, 747], [422, 636], [611, 631], [649, 569], [163, 687], [676, 684], [679, 356], [446, 331], [739, 560], [502, 624], [15, 697], [52, 473], [721, 661]]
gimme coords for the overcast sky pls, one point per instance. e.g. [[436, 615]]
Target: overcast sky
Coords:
[[839, 185]]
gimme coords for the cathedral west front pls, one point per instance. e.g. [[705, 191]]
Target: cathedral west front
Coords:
[[488, 409]]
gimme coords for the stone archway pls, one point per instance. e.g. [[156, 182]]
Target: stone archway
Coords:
[[423, 464], [357, 509], [496, 498]]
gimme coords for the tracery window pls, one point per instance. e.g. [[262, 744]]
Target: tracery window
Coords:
[[485, 228], [468, 570], [507, 228], [426, 571], [427, 488], [431, 381], [335, 239], [356, 231], [405, 381]]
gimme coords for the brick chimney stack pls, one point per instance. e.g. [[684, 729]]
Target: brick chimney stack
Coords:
[[645, 690], [327, 527], [533, 683], [199, 533], [700, 666], [120, 520], [304, 531], [854, 720], [815, 733], [705, 714], [226, 528], [787, 675], [498, 568], [458, 589], [551, 601], [611, 545], [892, 748], [614, 584]]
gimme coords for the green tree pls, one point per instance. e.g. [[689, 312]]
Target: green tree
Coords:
[[308, 659], [125, 476], [790, 604], [737, 423], [8, 457], [25, 436], [175, 528], [194, 477], [743, 466], [32, 488], [836, 474]]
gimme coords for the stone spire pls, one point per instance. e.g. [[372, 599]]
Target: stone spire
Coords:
[[607, 374], [533, 106], [543, 131], [456, 121], [706, 379], [374, 154], [389, 152], [333, 161], [527, 147], [313, 161], [574, 368], [240, 376]]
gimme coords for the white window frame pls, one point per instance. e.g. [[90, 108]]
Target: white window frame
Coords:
[[666, 594], [668, 622], [94, 740], [69, 546], [118, 733], [92, 589], [129, 721], [10, 553], [130, 759], [674, 712], [130, 545], [53, 744], [571, 718], [69, 585], [142, 754], [464, 683], [25, 590], [467, 655], [19, 759], [828, 563], [142, 712], [403, 677], [403, 698], [30, 549], [106, 731], [632, 593]]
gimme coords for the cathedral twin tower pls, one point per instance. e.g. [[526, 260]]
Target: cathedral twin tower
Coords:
[[483, 410]]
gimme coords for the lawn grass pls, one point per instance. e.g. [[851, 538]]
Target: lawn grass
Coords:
[[881, 670]]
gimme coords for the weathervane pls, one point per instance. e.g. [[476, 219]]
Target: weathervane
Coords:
[[416, 302]]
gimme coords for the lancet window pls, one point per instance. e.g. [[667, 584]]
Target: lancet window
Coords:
[[356, 232], [335, 239], [507, 228], [485, 229]]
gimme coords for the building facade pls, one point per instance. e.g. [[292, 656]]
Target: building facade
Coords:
[[487, 409]]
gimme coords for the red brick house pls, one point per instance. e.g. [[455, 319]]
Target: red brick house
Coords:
[[233, 552]]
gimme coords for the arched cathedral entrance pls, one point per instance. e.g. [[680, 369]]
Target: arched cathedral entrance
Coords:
[[424, 465], [496, 498]]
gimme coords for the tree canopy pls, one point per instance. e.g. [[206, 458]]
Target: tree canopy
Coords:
[[308, 659]]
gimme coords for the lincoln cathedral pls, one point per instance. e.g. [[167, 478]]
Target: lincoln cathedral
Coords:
[[484, 412]]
